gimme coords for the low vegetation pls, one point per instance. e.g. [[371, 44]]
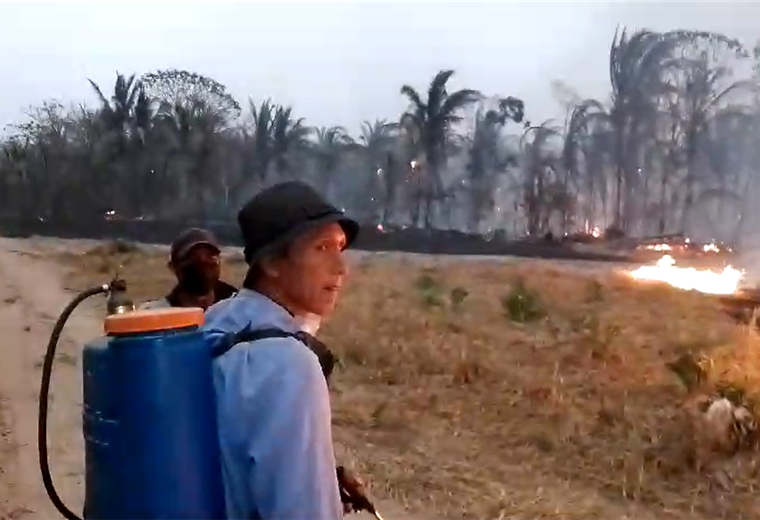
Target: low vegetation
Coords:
[[523, 389]]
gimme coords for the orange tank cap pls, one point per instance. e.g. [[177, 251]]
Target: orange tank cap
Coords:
[[152, 320]]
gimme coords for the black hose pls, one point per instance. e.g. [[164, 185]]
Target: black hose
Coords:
[[47, 370]]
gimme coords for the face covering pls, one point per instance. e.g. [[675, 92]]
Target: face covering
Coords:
[[195, 279], [309, 323]]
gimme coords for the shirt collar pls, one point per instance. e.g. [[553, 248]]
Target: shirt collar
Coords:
[[279, 317]]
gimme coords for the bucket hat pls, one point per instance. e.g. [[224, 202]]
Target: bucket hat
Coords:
[[277, 215]]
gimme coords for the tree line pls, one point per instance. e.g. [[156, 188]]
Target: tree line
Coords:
[[674, 149]]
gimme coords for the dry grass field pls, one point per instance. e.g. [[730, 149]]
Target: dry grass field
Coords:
[[521, 390]]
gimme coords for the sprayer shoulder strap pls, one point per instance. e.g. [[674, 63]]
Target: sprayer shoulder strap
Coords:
[[326, 358]]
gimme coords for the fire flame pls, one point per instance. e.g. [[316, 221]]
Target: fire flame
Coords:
[[711, 247], [703, 280], [659, 247]]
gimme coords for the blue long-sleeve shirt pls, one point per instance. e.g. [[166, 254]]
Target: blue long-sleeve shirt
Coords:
[[273, 410]]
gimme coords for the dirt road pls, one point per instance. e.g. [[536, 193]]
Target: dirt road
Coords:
[[31, 297]]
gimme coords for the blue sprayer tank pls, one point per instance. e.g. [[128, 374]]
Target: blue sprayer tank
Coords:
[[149, 420]]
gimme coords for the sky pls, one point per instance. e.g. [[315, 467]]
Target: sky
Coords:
[[336, 63]]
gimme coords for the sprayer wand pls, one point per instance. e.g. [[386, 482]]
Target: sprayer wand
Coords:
[[118, 302], [352, 493]]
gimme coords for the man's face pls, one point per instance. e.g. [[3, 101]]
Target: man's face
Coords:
[[312, 273], [199, 270]]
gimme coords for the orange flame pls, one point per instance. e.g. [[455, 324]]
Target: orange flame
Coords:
[[726, 281]]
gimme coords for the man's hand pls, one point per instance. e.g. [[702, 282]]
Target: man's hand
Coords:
[[352, 492]]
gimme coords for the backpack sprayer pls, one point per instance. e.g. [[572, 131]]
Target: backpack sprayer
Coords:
[[149, 417]]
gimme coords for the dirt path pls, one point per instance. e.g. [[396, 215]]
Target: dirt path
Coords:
[[31, 297]]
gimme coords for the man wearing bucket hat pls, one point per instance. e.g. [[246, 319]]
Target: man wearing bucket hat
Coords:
[[273, 404]]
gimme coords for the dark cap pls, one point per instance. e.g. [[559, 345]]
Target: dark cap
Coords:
[[277, 215], [190, 238]]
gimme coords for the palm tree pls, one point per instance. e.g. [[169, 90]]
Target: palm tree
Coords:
[[376, 137], [701, 93], [542, 160], [430, 124], [261, 141], [257, 139], [488, 157], [638, 64], [127, 113], [193, 130], [289, 137], [377, 140], [127, 117], [584, 154], [328, 148]]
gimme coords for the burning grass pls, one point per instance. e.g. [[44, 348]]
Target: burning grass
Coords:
[[491, 389]]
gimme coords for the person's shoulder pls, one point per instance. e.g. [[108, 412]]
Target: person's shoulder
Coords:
[[274, 366], [223, 290], [286, 352], [285, 344], [228, 314], [216, 308]]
